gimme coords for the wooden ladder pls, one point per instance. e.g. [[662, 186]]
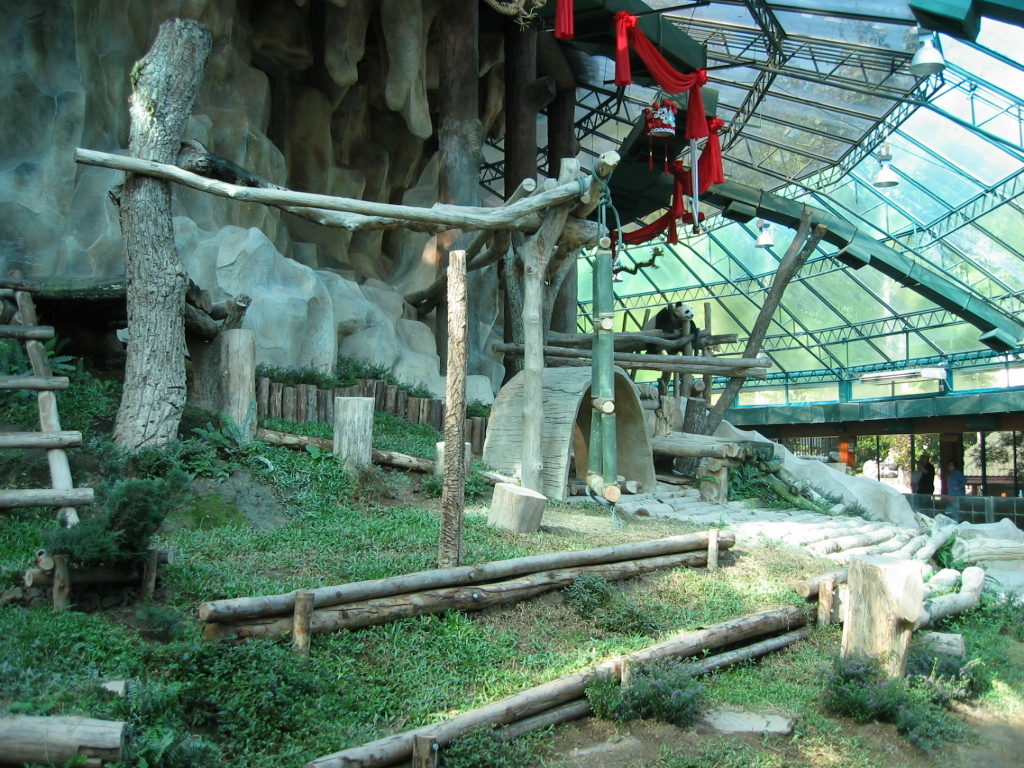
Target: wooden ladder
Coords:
[[62, 494]]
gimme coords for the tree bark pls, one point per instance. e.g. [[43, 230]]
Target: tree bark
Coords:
[[453, 492], [165, 84]]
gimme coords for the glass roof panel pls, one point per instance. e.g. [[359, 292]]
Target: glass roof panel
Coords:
[[885, 9], [878, 33]]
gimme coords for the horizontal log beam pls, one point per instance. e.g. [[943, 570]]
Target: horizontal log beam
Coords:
[[448, 216], [70, 497], [274, 605], [388, 458], [737, 367], [808, 589], [65, 439], [398, 747], [49, 383], [635, 341], [27, 332]]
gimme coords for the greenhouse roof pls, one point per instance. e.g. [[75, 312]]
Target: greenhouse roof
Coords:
[[812, 92]]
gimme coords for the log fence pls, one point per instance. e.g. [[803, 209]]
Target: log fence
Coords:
[[306, 403]]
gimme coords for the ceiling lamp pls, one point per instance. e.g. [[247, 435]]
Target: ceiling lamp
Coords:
[[928, 58], [895, 377], [886, 176], [765, 238]]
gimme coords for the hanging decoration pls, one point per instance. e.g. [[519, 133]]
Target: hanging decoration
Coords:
[[564, 29], [659, 124], [709, 171]]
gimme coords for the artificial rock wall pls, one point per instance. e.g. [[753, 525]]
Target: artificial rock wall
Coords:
[[327, 96]]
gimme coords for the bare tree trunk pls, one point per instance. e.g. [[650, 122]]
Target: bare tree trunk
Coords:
[[796, 255], [453, 491], [165, 84]]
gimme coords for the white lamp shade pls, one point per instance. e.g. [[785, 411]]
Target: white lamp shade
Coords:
[[928, 59], [886, 177], [765, 238]]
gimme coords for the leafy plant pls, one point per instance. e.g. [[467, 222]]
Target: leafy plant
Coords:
[[592, 597], [588, 594], [477, 409], [160, 622], [664, 690], [481, 748]]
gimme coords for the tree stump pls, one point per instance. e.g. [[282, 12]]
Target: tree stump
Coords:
[[886, 600], [516, 508], [353, 430]]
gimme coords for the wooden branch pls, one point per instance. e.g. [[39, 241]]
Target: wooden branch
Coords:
[[55, 497], [631, 342], [272, 605], [465, 598], [972, 582], [631, 360], [446, 216], [60, 740], [398, 747], [38, 383], [796, 255], [46, 440], [34, 332], [200, 324], [938, 537]]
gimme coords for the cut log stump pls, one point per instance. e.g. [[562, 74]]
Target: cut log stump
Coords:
[[516, 508]]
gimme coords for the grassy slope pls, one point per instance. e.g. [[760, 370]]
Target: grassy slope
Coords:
[[262, 707]]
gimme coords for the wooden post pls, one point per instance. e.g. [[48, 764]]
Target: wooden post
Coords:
[[439, 451], [149, 572], [713, 549], [425, 751], [61, 583], [238, 382], [516, 509], [262, 397], [886, 600], [453, 493], [300, 621], [826, 589], [289, 404], [274, 400], [707, 329], [353, 431]]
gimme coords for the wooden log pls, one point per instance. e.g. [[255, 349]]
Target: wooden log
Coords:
[[300, 621], [453, 487], [942, 643], [730, 366], [688, 447], [391, 399], [389, 458], [61, 583], [747, 652], [809, 589], [27, 332], [274, 400], [46, 383], [849, 542], [300, 403], [289, 401], [325, 406], [934, 543], [238, 389], [493, 478], [574, 710], [312, 406], [886, 601], [62, 439], [826, 591], [402, 461], [353, 431], [45, 561], [149, 573], [398, 747], [262, 397], [37, 577], [470, 598], [60, 740], [943, 580], [439, 454], [271, 605], [516, 509], [44, 497], [907, 550], [972, 581]]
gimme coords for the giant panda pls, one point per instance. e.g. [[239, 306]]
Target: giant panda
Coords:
[[670, 320]]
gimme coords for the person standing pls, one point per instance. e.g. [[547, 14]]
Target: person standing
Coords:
[[926, 483], [956, 486]]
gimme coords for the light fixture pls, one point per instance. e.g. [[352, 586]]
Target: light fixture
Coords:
[[765, 238], [886, 176], [894, 377], [928, 58]]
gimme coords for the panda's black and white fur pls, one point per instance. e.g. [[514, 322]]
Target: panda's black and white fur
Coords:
[[669, 320]]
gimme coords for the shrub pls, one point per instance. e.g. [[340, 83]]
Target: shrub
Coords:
[[592, 597], [588, 594], [481, 748], [664, 690]]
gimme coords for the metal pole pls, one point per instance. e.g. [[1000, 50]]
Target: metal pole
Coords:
[[695, 208]]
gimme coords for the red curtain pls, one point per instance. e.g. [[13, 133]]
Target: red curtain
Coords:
[[627, 34], [563, 20]]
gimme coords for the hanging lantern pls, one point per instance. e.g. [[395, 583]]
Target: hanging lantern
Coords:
[[659, 125]]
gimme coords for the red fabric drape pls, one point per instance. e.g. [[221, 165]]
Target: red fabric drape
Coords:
[[627, 34], [563, 20]]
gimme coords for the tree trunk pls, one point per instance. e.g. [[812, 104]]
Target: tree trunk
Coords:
[[453, 492], [796, 255], [165, 84]]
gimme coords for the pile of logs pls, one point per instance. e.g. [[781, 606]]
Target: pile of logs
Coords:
[[563, 699], [883, 604], [468, 588], [52, 574], [716, 456]]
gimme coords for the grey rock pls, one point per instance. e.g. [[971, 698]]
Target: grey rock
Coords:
[[738, 721]]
